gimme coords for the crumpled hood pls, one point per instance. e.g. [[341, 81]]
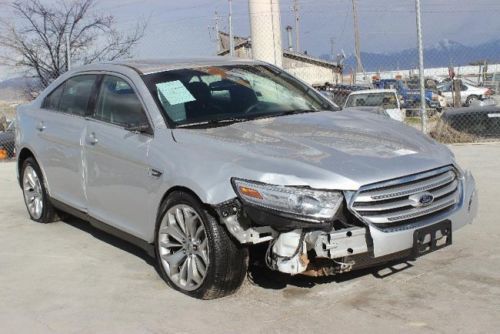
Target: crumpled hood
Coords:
[[343, 150]]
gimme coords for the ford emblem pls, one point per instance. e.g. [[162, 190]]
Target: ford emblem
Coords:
[[422, 199]]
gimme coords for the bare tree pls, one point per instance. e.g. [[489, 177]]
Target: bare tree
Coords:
[[38, 36]]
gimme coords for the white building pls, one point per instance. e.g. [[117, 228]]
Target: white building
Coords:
[[312, 70]]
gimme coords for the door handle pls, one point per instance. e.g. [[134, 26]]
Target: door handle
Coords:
[[41, 126], [155, 173], [92, 139]]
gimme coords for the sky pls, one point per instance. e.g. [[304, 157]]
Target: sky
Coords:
[[185, 28]]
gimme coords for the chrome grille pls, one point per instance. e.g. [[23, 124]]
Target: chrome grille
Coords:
[[392, 202]]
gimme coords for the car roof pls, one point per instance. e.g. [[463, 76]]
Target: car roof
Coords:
[[148, 66], [364, 91]]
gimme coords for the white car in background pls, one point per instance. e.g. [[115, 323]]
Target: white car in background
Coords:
[[383, 98], [468, 92]]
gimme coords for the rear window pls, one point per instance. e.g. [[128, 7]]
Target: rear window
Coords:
[[76, 94], [72, 96], [384, 100], [51, 102]]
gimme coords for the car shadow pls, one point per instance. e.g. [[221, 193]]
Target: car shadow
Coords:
[[109, 239], [258, 273]]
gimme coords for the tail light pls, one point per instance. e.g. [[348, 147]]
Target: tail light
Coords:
[[489, 92]]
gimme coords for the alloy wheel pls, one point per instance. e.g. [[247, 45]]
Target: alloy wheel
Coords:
[[32, 191], [183, 247]]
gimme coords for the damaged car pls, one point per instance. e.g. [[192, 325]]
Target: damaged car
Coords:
[[199, 160]]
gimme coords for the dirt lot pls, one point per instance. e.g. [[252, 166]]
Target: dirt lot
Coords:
[[68, 277]]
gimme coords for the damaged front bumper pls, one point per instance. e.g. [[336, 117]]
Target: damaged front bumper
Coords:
[[294, 251]]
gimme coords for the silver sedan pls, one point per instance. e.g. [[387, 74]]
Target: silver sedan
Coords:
[[198, 160]]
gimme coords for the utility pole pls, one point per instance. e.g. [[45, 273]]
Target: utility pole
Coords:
[[332, 48], [289, 34], [217, 33], [231, 37], [357, 46], [297, 24], [265, 26], [423, 113]]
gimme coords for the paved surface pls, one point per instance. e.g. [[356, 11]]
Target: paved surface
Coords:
[[68, 277]]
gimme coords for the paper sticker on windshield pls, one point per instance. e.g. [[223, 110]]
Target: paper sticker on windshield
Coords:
[[174, 92]]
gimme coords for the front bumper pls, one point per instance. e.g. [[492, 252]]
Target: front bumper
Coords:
[[288, 250], [382, 242]]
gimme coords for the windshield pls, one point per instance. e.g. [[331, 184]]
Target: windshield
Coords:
[[231, 93], [385, 100]]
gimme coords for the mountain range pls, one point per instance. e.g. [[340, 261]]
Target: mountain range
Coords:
[[442, 54], [17, 89]]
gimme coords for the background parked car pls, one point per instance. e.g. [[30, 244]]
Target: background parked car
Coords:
[[410, 97], [373, 110], [340, 92], [468, 92], [383, 98], [479, 121]]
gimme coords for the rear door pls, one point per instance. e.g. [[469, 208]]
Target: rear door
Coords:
[[119, 181], [60, 129]]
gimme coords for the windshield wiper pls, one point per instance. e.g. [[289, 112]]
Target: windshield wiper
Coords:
[[229, 121], [294, 112], [213, 122]]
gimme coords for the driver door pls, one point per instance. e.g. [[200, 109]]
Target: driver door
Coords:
[[118, 182]]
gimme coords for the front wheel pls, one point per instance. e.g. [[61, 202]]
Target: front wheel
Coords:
[[195, 254]]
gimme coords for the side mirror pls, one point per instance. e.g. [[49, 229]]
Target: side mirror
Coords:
[[139, 128]]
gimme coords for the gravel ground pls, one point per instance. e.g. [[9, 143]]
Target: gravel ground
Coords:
[[68, 277]]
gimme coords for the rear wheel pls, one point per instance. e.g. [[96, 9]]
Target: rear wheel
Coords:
[[471, 99], [195, 255], [35, 195]]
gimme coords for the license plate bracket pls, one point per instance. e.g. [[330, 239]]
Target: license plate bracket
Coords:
[[431, 238]]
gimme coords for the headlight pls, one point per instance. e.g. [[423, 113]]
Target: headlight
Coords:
[[309, 203]]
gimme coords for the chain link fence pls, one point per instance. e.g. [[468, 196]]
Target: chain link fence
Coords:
[[7, 132], [462, 82]]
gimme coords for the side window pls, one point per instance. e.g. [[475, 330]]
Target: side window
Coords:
[[118, 104], [52, 100], [76, 94]]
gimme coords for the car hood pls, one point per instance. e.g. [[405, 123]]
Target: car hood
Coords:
[[341, 150]]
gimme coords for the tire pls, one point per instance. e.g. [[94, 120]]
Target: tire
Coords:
[[216, 264], [35, 194], [470, 99]]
